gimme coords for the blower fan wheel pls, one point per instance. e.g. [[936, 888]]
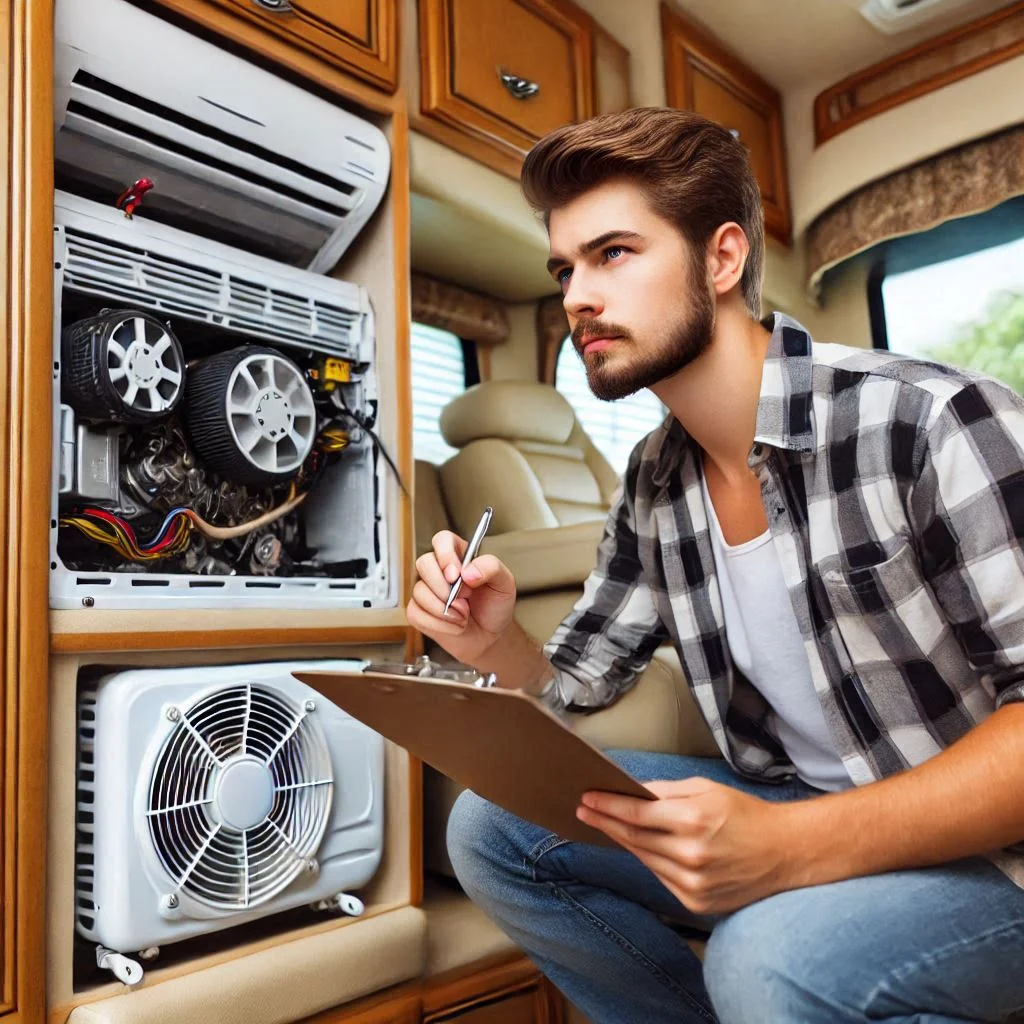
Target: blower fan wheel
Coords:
[[122, 366], [250, 415]]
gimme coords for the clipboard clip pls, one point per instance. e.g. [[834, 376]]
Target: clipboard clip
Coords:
[[423, 667]]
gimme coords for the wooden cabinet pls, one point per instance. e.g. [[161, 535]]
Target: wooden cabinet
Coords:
[[507, 990], [501, 74], [513, 992], [359, 36], [701, 75]]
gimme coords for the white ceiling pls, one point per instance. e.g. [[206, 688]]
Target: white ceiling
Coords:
[[792, 43]]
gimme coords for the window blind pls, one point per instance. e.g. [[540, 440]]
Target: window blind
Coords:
[[438, 375]]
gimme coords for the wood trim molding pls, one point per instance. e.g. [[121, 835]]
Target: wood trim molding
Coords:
[[228, 639], [26, 228], [918, 71]]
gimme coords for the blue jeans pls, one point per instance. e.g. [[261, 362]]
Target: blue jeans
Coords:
[[943, 944]]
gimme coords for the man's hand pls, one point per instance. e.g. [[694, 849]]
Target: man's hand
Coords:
[[714, 848], [481, 613]]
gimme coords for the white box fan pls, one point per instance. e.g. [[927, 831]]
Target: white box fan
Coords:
[[216, 795], [232, 151]]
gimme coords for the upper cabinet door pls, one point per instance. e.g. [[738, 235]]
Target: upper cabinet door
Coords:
[[359, 36], [702, 76], [503, 73]]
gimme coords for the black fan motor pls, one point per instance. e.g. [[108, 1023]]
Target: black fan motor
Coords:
[[121, 366], [250, 415]]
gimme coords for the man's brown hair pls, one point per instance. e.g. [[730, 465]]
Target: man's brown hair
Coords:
[[694, 173]]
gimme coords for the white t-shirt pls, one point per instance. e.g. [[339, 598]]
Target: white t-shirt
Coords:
[[767, 647]]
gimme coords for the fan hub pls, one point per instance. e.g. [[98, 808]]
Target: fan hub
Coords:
[[143, 364], [244, 793], [274, 414]]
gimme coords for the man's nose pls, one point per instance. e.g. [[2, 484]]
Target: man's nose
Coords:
[[582, 298]]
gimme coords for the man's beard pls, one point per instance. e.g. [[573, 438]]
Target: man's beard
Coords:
[[687, 341]]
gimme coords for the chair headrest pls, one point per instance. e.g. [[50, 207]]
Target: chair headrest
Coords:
[[515, 410]]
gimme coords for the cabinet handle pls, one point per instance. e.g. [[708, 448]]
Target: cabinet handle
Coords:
[[520, 88], [274, 6]]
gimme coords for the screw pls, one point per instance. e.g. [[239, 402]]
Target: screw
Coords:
[[88, 602], [173, 714], [312, 866], [170, 900], [310, 705]]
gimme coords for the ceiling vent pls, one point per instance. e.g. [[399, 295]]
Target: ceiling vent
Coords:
[[235, 153], [892, 16]]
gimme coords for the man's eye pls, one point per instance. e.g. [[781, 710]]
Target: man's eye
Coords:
[[613, 251], [562, 277]]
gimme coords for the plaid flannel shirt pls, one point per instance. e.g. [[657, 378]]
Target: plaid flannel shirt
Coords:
[[894, 491]]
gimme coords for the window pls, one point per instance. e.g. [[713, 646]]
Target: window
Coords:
[[614, 427], [439, 373], [957, 298]]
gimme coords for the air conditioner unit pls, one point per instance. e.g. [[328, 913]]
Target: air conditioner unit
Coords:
[[234, 152], [199, 385], [211, 796], [892, 16]]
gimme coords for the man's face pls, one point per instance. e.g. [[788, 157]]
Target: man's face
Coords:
[[639, 305]]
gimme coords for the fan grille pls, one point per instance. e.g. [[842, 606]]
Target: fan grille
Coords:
[[205, 856]]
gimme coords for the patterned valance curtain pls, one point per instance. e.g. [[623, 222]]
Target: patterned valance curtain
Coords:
[[467, 314], [968, 179]]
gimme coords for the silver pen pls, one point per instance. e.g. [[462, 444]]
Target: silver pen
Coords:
[[474, 546]]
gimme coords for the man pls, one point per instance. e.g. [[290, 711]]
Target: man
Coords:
[[832, 539]]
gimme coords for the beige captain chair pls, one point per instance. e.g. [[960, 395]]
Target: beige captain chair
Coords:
[[522, 451]]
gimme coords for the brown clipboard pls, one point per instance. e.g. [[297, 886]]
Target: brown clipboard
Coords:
[[502, 744]]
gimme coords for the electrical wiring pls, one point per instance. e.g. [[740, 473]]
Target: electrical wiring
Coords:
[[173, 537], [227, 532], [361, 421]]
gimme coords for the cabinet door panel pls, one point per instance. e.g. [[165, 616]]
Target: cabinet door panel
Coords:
[[544, 47], [359, 36], [486, 41], [752, 125], [701, 75]]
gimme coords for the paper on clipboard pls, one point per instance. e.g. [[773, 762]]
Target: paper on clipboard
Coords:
[[502, 744]]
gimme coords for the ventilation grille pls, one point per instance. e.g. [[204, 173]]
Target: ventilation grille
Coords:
[[270, 750], [146, 279], [85, 847]]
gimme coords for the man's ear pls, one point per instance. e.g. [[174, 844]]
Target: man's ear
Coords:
[[727, 252]]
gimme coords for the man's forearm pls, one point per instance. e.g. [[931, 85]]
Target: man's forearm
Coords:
[[518, 662], [967, 800]]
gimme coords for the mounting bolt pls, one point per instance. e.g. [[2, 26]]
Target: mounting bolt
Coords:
[[170, 900], [310, 705], [88, 602], [312, 866], [173, 714]]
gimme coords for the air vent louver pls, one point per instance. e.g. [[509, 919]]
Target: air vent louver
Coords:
[[138, 277]]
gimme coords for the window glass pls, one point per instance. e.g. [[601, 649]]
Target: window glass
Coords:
[[614, 427], [967, 311], [438, 375]]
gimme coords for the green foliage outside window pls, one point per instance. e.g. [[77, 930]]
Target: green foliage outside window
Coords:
[[995, 346]]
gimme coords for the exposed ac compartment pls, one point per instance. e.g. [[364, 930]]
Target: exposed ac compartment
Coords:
[[892, 16], [235, 153], [209, 796], [198, 388]]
